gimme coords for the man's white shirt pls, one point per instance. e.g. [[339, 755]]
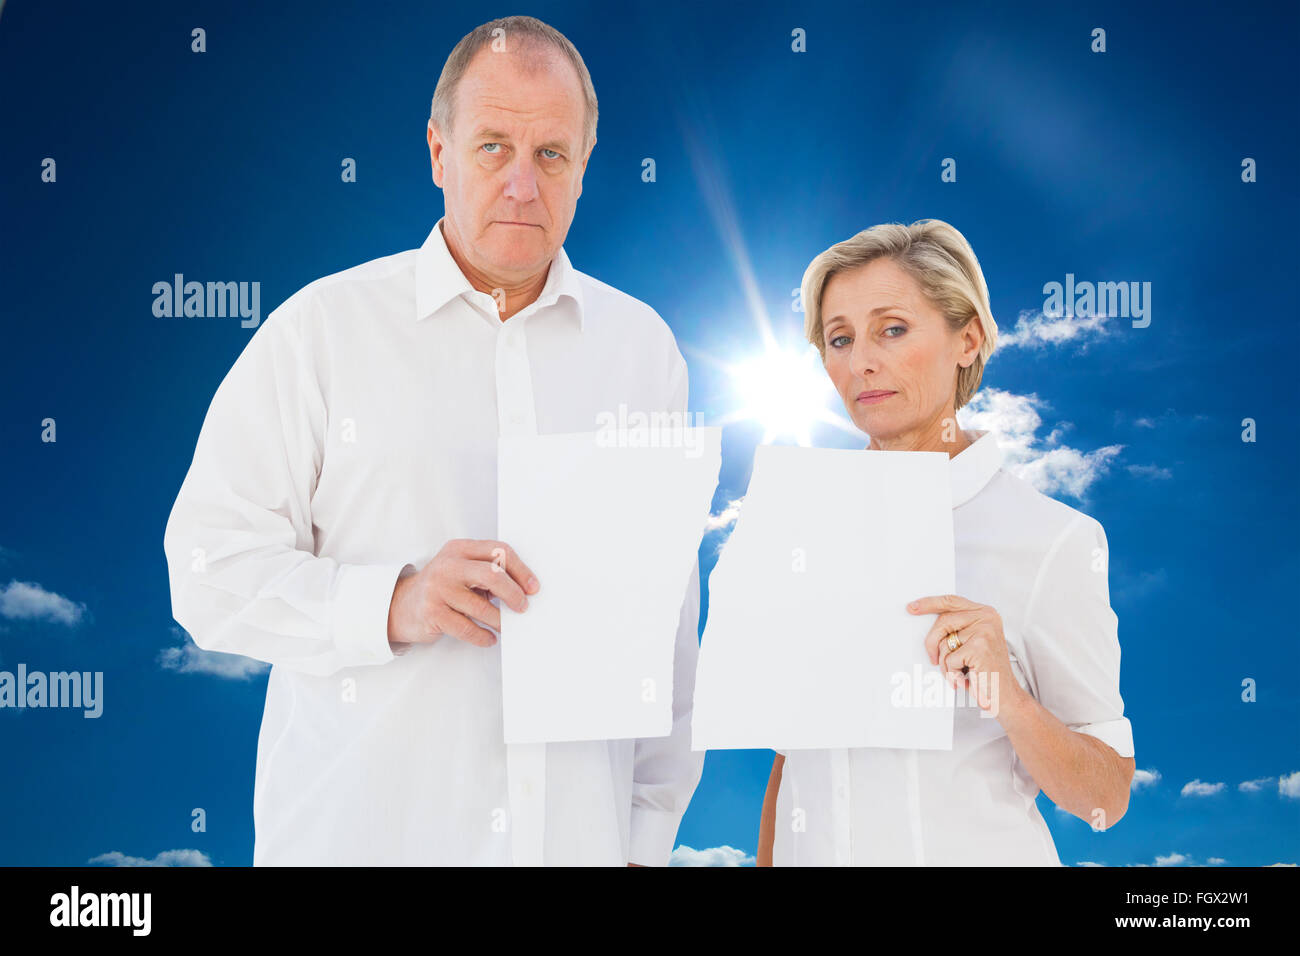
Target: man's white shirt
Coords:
[[354, 436], [1043, 566]]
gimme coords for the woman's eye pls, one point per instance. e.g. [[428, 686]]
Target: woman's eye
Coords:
[[837, 339], [895, 328]]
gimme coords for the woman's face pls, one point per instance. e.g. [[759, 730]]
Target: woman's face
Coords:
[[891, 355]]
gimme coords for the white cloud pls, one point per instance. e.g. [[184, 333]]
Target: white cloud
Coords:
[[1144, 778], [189, 658], [1162, 421], [725, 518], [1035, 330], [24, 601], [1150, 471], [713, 856], [1044, 461], [1168, 419], [1088, 863], [1067, 469], [165, 858], [1216, 861], [1289, 785], [1014, 417], [1133, 587], [1173, 859], [1284, 864], [1198, 788], [1253, 786]]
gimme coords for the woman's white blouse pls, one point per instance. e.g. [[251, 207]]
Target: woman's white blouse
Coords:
[[1043, 566]]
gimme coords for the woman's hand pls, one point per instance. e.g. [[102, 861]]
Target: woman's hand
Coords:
[[1079, 773], [980, 659]]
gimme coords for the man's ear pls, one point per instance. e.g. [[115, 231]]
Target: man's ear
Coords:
[[436, 146], [583, 172]]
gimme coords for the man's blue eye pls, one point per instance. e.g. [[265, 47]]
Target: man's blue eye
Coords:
[[486, 145], [554, 154]]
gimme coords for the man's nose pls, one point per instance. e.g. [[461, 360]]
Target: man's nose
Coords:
[[521, 180]]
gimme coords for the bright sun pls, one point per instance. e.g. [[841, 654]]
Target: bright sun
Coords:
[[785, 390], [784, 387]]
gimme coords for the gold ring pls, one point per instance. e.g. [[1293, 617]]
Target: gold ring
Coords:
[[953, 642]]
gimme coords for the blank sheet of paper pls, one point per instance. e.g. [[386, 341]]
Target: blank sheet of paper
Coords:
[[809, 644], [612, 533]]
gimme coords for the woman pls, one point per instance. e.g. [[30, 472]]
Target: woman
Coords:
[[1029, 641]]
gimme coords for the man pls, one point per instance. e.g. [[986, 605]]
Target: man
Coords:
[[339, 517]]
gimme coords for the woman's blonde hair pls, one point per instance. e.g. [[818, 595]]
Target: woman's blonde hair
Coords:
[[943, 264]]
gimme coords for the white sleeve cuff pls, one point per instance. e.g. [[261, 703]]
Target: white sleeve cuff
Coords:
[[358, 613], [1116, 733], [651, 837]]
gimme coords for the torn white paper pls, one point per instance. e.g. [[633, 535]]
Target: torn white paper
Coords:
[[612, 529], [809, 644]]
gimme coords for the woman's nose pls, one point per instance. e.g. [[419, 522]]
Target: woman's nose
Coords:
[[865, 356]]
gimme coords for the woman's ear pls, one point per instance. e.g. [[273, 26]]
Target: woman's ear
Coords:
[[972, 338]]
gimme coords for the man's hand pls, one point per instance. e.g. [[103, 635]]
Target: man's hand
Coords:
[[450, 594]]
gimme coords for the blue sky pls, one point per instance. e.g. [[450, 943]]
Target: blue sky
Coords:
[[1115, 166]]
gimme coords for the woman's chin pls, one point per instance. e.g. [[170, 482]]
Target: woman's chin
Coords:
[[877, 426]]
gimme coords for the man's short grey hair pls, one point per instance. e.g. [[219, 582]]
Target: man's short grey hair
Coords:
[[527, 36], [943, 264]]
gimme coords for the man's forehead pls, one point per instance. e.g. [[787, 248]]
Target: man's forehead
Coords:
[[505, 112], [546, 75]]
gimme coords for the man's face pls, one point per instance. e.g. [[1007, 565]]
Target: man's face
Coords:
[[511, 173]]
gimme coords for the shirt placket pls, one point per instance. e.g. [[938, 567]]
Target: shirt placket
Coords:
[[912, 777], [525, 763], [841, 808]]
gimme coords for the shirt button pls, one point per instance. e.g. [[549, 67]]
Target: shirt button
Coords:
[[526, 788]]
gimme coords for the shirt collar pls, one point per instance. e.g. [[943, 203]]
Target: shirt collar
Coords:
[[974, 466], [438, 279]]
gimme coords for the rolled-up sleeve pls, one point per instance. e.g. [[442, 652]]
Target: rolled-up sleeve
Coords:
[[1072, 637], [239, 542], [666, 770]]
